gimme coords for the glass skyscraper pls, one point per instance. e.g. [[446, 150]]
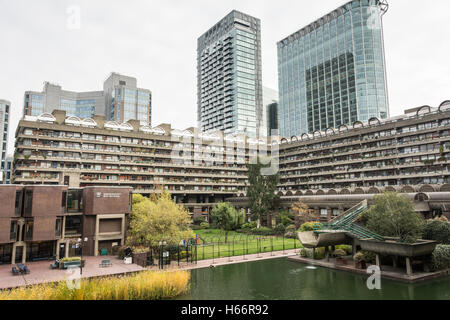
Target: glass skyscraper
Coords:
[[229, 76], [332, 72], [121, 100]]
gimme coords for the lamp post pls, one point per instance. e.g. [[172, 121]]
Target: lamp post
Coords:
[[161, 254], [81, 244]]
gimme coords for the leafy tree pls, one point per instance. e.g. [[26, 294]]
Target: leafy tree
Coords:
[[304, 213], [437, 230], [286, 218], [226, 218], [261, 190], [159, 219], [393, 215]]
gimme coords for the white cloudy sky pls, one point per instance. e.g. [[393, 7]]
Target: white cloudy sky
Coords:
[[155, 41]]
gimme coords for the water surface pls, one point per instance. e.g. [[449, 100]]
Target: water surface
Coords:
[[280, 279]]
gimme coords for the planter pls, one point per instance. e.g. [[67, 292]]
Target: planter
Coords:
[[360, 265], [393, 248], [341, 262]]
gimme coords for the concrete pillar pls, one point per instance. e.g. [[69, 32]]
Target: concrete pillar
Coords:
[[24, 255], [327, 253], [314, 253], [378, 260], [409, 270], [354, 247], [394, 262]]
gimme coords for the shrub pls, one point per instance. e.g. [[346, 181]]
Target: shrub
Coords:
[[369, 257], [437, 230], [280, 229], [359, 257], [291, 235], [263, 231], [309, 226], [348, 249], [199, 220], [304, 253], [441, 257], [318, 255], [70, 259], [204, 225], [339, 253], [291, 228], [249, 225]]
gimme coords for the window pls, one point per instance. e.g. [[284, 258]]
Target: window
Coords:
[[58, 227], [17, 203], [29, 224], [28, 203], [64, 201], [324, 212], [73, 225], [13, 231]]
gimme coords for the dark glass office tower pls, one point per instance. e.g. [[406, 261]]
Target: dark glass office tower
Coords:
[[332, 72], [229, 76]]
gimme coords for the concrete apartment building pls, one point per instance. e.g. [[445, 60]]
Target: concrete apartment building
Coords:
[[230, 76], [5, 109], [193, 166], [408, 154], [121, 100], [41, 222]]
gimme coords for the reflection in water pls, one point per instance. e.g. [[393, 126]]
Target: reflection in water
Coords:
[[283, 280]]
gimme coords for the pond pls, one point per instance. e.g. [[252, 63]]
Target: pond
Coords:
[[280, 279]]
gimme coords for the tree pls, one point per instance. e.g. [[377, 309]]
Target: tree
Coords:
[[261, 190], [393, 215], [226, 218], [158, 219], [304, 213]]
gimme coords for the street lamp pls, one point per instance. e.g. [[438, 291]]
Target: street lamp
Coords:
[[81, 244], [161, 254]]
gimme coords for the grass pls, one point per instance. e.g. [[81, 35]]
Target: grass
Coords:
[[240, 244], [142, 286]]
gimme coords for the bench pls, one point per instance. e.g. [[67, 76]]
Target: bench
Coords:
[[15, 272], [105, 264]]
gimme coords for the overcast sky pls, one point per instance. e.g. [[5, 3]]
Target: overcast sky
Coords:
[[156, 42]]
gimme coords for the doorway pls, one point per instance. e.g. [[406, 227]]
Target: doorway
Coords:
[[19, 255]]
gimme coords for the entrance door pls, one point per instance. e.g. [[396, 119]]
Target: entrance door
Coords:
[[19, 255], [62, 250]]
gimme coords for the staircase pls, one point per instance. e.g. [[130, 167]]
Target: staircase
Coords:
[[346, 222]]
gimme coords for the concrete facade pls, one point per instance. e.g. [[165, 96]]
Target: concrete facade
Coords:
[[5, 110], [39, 222]]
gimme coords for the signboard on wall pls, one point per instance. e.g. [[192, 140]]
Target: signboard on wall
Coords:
[[108, 195]]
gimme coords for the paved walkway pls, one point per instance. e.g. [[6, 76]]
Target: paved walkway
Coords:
[[42, 273]]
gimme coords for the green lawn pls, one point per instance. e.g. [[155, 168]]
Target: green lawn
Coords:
[[214, 245]]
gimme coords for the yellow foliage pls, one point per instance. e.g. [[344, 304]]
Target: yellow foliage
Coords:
[[160, 219], [143, 286]]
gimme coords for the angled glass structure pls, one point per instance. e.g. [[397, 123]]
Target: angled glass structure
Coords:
[[229, 76], [332, 72]]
